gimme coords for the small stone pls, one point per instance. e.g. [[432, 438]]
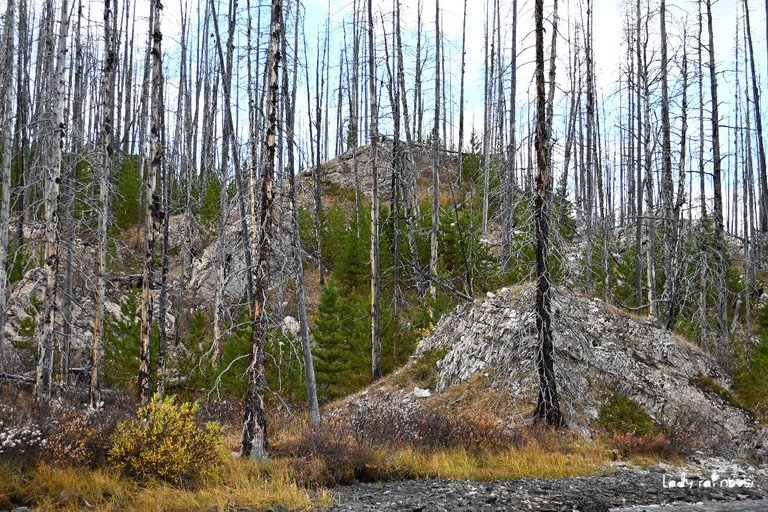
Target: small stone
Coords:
[[421, 393]]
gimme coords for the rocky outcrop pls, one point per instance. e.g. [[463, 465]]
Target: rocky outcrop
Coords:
[[24, 300], [598, 350]]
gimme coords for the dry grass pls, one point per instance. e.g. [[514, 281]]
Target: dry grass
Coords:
[[243, 483], [533, 460]]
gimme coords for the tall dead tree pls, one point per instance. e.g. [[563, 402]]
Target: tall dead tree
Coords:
[[639, 166], [435, 163], [254, 442], [461, 87], [673, 294], [487, 117], [51, 198], [6, 153], [721, 301], [703, 245], [410, 180], [758, 124], [547, 407], [107, 106], [153, 208], [510, 185], [289, 97], [667, 192], [376, 369]]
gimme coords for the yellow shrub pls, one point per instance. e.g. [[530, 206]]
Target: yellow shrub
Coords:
[[165, 443]]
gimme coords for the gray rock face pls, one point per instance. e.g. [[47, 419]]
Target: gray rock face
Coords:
[[597, 350], [203, 280], [25, 298]]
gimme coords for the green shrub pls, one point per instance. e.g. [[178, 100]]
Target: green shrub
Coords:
[[423, 371], [18, 262], [709, 385], [209, 205], [165, 443], [622, 415], [751, 382], [127, 181]]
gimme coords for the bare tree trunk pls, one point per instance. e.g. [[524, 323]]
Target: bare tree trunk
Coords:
[[673, 294], [650, 237], [639, 170], [21, 128], [70, 184], [254, 442], [759, 124], [461, 89], [703, 269], [309, 369], [667, 192], [319, 91], [107, 149], [721, 264], [418, 104], [435, 162], [590, 172], [375, 277], [547, 407], [489, 74], [6, 116], [411, 182], [152, 211], [162, 342], [52, 192], [353, 139]]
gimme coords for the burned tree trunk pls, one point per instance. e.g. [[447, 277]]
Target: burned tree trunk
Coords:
[[547, 407], [375, 277], [721, 303], [107, 105], [254, 442], [306, 347], [435, 164], [52, 192], [152, 211], [6, 107]]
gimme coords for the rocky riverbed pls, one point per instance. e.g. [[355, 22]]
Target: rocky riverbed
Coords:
[[623, 490]]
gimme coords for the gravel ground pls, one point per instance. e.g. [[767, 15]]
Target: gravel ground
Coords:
[[626, 490]]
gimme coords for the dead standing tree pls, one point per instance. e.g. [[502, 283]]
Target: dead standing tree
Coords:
[[52, 193], [107, 105], [254, 442], [375, 276], [6, 107], [152, 212], [547, 408]]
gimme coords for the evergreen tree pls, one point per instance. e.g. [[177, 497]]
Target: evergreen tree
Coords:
[[342, 338]]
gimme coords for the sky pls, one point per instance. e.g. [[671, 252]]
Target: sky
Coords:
[[609, 20]]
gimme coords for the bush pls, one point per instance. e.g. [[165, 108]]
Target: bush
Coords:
[[80, 438], [751, 382], [427, 429], [329, 456], [632, 445], [165, 443], [622, 415]]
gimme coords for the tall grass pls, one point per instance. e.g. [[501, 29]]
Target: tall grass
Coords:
[[243, 483]]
